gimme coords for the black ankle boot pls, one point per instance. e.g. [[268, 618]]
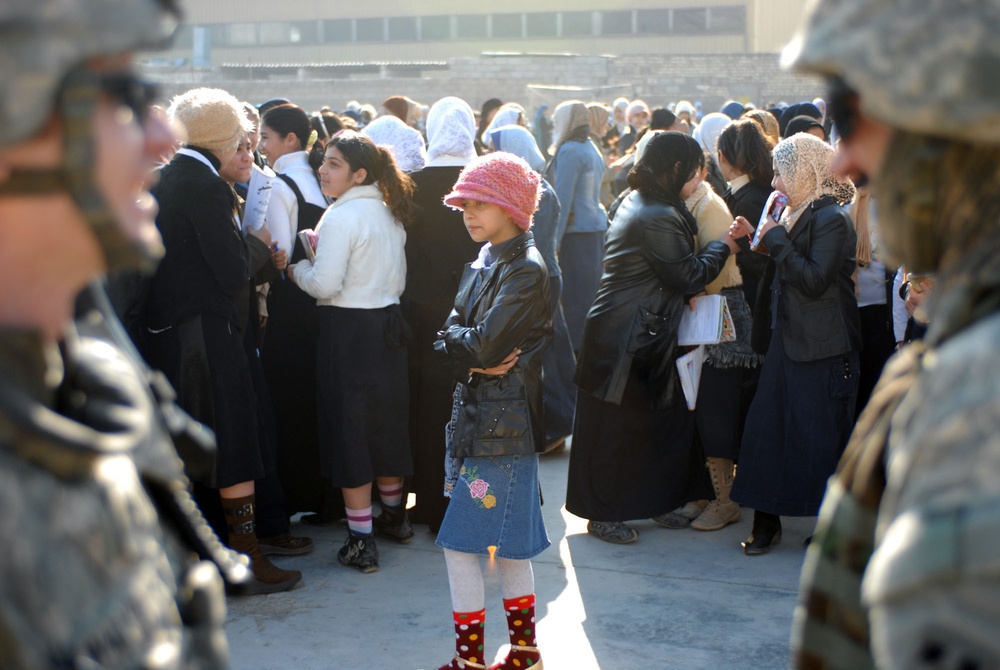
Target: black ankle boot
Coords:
[[394, 523], [766, 533]]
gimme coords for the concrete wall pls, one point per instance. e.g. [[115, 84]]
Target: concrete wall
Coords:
[[530, 80]]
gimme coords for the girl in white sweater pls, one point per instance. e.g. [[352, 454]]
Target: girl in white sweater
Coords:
[[357, 278]]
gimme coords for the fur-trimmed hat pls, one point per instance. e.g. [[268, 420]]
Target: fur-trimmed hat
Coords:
[[212, 118], [503, 179]]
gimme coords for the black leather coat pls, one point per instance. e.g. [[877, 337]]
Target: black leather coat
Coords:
[[651, 267], [817, 310], [510, 309]]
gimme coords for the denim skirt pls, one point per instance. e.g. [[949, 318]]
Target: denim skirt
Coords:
[[496, 502]]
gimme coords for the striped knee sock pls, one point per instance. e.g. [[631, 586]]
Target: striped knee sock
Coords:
[[359, 521], [391, 494]]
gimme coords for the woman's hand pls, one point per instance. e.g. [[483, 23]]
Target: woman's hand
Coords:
[[768, 225], [262, 234], [694, 300], [740, 228], [279, 257], [501, 369]]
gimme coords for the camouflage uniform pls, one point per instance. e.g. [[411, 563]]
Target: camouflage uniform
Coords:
[[107, 562], [904, 570], [101, 566]]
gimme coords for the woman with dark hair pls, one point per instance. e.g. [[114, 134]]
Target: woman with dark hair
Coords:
[[744, 155], [632, 454], [288, 351], [356, 278]]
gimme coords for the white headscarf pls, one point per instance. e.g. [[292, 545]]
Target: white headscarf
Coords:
[[405, 143], [708, 131], [519, 141], [803, 161], [451, 132], [509, 114]]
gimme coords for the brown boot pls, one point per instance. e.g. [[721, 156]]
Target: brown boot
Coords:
[[721, 511], [268, 578]]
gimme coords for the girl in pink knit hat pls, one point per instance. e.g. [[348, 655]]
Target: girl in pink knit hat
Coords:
[[493, 343]]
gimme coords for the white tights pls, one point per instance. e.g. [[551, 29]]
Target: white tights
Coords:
[[465, 577]]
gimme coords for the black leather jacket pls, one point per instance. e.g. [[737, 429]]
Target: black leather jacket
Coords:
[[510, 309], [817, 311], [651, 266]]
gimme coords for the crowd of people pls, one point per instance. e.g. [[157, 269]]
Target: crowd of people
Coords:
[[373, 303]]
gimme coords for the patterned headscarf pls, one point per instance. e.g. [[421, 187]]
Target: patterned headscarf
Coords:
[[451, 132], [405, 143], [804, 164]]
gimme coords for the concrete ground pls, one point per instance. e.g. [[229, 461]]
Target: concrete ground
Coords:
[[674, 599]]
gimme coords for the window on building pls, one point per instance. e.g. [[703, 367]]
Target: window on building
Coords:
[[242, 34], [337, 30], [184, 37], [727, 19], [435, 27], [616, 23], [471, 26], [304, 32], [690, 21], [219, 34], [574, 24], [275, 32], [654, 21], [543, 24], [371, 30], [403, 29], [507, 26]]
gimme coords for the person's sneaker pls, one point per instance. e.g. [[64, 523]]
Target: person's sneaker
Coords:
[[682, 516], [394, 523], [615, 532], [360, 553], [285, 544]]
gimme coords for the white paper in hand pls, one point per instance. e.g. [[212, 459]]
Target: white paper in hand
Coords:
[[258, 197], [689, 371], [709, 323]]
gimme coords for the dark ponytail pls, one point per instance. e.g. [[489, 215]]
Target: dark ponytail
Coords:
[[748, 150], [288, 118], [396, 186]]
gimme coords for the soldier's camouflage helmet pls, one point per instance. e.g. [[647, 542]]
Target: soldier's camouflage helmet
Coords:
[[42, 40], [931, 67]]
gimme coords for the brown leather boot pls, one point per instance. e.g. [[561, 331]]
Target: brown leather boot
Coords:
[[721, 511], [268, 578]]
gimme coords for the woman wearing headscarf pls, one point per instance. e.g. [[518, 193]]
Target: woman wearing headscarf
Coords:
[[707, 133], [803, 412], [558, 361], [632, 454], [437, 249], [541, 128], [405, 143], [509, 114], [575, 173]]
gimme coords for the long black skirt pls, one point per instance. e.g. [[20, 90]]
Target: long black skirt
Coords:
[[205, 360], [796, 431], [631, 462], [363, 395]]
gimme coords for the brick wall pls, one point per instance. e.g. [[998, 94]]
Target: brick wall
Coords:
[[531, 79]]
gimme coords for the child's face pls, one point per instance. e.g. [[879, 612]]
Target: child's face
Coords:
[[487, 222], [335, 176]]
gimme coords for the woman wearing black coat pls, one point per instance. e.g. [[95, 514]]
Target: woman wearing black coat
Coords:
[[803, 412], [632, 454]]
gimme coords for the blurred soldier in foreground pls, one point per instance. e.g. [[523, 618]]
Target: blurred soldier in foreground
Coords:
[[106, 561], [904, 570]]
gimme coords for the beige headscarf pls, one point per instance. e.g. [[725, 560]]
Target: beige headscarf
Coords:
[[568, 116], [804, 164]]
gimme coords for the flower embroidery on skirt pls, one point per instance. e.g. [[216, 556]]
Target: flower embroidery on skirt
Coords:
[[479, 489]]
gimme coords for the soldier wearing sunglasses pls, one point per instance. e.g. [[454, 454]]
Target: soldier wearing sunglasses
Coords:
[[106, 561], [904, 569]]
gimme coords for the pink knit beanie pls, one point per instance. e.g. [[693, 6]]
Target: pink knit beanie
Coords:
[[502, 179]]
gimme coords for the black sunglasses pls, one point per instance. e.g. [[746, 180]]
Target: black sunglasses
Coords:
[[130, 91], [842, 106]]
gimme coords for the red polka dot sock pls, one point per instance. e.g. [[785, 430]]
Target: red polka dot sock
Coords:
[[521, 626], [469, 630]]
